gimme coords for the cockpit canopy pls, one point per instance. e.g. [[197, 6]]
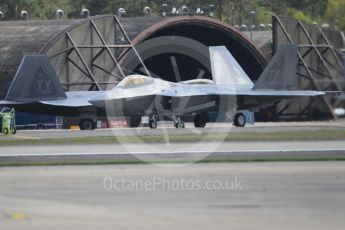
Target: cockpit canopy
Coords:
[[135, 80]]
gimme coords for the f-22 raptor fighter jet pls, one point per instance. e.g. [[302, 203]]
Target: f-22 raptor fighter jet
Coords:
[[36, 88]]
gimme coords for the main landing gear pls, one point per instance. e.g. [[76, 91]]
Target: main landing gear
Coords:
[[200, 120], [153, 122], [87, 124]]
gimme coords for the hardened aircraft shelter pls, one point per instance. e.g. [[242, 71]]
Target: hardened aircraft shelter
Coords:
[[90, 54]]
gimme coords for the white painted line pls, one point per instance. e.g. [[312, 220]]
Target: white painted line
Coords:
[[173, 153]]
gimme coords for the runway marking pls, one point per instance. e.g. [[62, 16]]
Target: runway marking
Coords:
[[14, 216], [26, 137], [18, 216], [175, 152]]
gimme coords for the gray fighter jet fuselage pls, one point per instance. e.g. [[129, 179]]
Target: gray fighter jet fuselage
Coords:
[[230, 90]]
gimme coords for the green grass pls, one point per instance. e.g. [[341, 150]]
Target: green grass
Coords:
[[231, 137], [138, 161]]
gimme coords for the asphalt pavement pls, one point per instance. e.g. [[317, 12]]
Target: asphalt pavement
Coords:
[[173, 152], [295, 195]]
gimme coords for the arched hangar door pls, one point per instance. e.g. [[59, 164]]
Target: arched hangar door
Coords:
[[173, 58]]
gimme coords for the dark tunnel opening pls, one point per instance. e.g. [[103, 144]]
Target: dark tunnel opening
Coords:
[[188, 68], [248, 56]]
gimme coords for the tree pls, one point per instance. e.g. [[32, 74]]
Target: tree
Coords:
[[335, 13], [231, 11], [10, 7], [37, 9]]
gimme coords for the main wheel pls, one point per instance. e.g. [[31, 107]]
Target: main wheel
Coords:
[[240, 120], [134, 121], [200, 121], [87, 125], [5, 131]]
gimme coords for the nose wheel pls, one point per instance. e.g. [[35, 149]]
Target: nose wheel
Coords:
[[153, 122], [178, 123]]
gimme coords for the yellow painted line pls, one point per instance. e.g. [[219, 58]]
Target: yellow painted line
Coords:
[[26, 137], [18, 216]]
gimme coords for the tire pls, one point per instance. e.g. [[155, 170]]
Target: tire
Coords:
[[5, 131], [240, 120], [87, 125], [179, 124], [13, 131], [200, 121], [153, 124], [134, 122]]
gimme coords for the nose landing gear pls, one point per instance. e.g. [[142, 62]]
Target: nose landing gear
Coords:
[[178, 123], [153, 122]]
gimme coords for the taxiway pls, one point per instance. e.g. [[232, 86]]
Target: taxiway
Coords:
[[295, 195]]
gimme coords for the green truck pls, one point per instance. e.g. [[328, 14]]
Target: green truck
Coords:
[[7, 121]]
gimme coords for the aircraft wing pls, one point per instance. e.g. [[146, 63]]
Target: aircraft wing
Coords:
[[272, 93], [10, 103], [281, 93], [186, 90], [224, 91], [75, 99]]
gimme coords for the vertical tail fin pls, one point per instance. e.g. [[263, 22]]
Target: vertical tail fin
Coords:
[[280, 73], [35, 80], [226, 70]]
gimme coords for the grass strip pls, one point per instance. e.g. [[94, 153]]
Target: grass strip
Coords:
[[322, 135], [205, 161]]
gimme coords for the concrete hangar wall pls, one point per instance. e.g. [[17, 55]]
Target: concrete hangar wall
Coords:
[[77, 48]]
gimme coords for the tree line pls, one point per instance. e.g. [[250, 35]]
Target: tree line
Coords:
[[231, 11]]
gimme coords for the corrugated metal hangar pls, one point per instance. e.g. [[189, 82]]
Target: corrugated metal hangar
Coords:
[[83, 52]]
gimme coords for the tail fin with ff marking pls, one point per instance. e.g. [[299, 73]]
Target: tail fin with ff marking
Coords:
[[280, 73], [35, 80]]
